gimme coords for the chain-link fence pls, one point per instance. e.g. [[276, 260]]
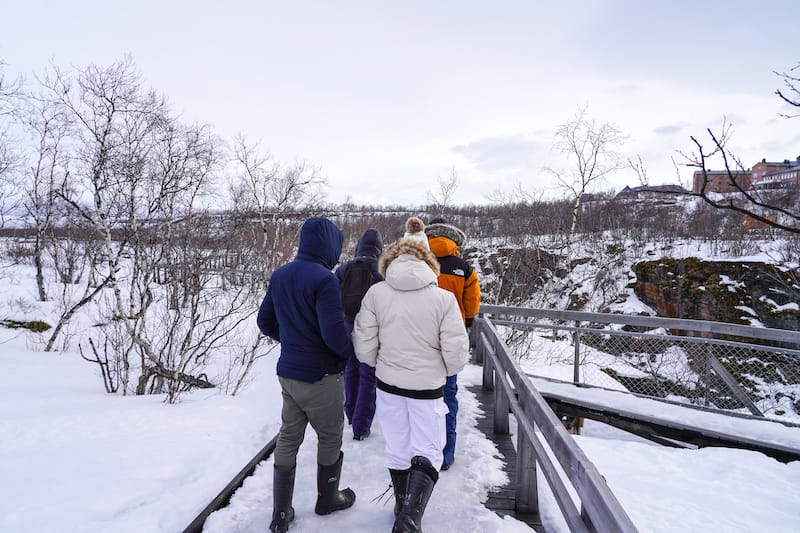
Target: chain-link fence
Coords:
[[745, 373]]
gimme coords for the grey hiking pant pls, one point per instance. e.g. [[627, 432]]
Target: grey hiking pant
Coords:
[[322, 405]]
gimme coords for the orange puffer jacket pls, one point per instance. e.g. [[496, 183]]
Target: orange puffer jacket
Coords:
[[457, 276]]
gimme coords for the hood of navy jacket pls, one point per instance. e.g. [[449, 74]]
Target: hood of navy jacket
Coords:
[[321, 242], [370, 244]]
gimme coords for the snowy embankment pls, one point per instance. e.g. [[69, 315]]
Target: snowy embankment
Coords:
[[75, 459]]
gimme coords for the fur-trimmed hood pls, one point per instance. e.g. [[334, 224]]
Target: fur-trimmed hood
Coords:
[[408, 265], [446, 230]]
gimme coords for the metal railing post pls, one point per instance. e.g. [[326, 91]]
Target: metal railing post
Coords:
[[488, 376], [475, 345], [501, 405], [707, 373], [576, 371], [527, 493]]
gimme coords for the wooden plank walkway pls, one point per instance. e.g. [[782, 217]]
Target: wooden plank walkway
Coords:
[[502, 500]]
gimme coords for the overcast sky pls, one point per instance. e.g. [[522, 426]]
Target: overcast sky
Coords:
[[386, 96]]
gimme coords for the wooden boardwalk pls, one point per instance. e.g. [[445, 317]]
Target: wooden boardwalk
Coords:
[[502, 500]]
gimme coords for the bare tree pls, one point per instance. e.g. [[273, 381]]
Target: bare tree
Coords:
[[114, 121], [165, 230], [441, 196], [44, 175], [269, 190], [10, 101], [237, 373], [112, 184], [791, 91], [251, 192], [299, 186], [592, 150], [10, 92], [774, 208]]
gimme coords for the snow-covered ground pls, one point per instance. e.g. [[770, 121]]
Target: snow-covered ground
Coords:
[[75, 459]]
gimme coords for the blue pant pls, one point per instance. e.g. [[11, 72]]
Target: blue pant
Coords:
[[450, 391]]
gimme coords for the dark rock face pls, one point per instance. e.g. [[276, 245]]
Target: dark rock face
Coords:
[[720, 291], [511, 275]]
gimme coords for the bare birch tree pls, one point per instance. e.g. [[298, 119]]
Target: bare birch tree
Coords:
[[269, 190], [43, 176], [113, 119], [441, 195], [10, 99], [135, 244], [251, 191], [592, 150]]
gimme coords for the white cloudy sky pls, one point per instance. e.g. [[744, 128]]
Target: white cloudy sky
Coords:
[[386, 96]]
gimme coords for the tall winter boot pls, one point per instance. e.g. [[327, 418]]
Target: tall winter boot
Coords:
[[282, 491], [399, 483], [421, 478], [329, 497]]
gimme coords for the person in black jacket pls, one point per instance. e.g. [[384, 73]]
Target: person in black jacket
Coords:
[[303, 311], [355, 278]]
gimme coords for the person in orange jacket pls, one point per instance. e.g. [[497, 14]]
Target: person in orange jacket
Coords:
[[458, 277]]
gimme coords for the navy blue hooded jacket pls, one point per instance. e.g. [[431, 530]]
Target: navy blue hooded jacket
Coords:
[[302, 308]]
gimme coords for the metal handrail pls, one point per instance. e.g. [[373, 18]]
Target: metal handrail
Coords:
[[700, 326], [561, 320], [601, 511], [622, 333]]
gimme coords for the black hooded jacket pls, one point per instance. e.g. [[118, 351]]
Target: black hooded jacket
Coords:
[[368, 250]]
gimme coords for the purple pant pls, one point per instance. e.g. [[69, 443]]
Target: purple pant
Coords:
[[359, 395]]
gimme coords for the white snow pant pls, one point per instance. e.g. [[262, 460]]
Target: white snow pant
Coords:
[[411, 427]]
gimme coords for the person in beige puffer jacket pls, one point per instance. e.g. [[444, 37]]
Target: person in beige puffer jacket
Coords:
[[412, 332]]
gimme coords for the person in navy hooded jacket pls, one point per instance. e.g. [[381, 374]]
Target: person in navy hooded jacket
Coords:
[[303, 311]]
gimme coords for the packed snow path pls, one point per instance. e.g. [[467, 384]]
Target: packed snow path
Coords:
[[456, 503]]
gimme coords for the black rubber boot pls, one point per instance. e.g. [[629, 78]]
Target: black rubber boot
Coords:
[[329, 497], [399, 483], [282, 491], [422, 477]]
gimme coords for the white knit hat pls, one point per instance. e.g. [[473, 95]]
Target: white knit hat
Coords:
[[415, 230]]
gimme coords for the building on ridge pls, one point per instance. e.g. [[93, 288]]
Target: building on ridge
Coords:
[[721, 181], [774, 175], [764, 175]]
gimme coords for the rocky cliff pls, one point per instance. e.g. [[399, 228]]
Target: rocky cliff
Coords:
[[750, 293]]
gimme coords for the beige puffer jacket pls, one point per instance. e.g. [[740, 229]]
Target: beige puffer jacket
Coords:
[[408, 328]]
